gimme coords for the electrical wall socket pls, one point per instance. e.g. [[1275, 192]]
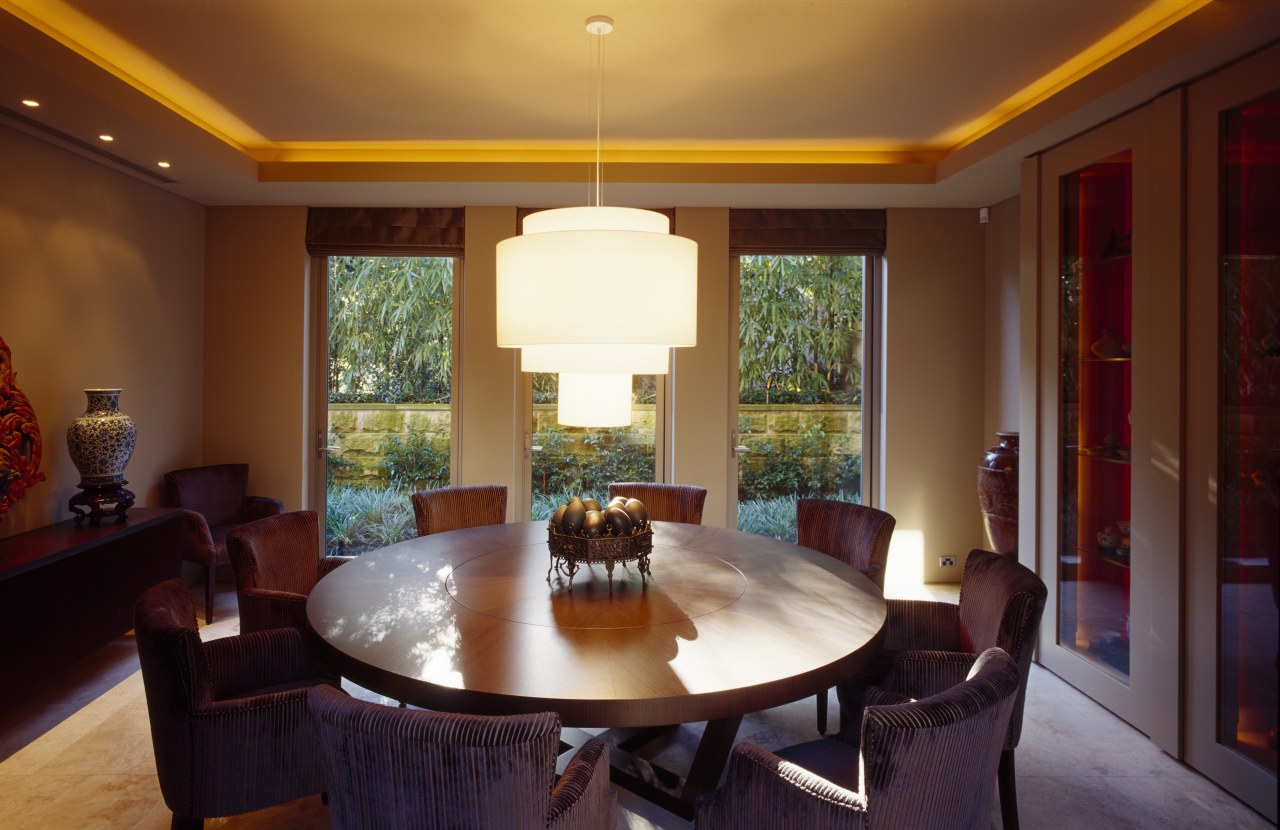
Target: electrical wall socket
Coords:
[[946, 561]]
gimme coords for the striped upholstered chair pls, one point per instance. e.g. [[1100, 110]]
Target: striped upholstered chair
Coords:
[[664, 502], [414, 769], [453, 508], [855, 534], [229, 722], [925, 764], [217, 501], [929, 646], [277, 562]]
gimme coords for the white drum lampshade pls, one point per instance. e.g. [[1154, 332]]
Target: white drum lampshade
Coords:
[[597, 276], [594, 400], [596, 359]]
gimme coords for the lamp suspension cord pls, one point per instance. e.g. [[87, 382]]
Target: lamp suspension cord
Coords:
[[599, 84]]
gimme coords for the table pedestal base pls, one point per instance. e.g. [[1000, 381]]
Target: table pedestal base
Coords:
[[668, 789]]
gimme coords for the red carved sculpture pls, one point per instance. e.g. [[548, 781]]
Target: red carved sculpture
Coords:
[[19, 437]]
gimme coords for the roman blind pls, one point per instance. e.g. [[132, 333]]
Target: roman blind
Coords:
[[338, 231], [829, 231]]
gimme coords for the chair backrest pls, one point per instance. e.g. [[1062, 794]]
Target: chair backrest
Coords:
[[664, 502], [410, 768], [217, 491], [1001, 603], [278, 553], [853, 533], [932, 762], [175, 676], [453, 508]]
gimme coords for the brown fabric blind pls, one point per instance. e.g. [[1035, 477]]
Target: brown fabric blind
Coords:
[[832, 231], [385, 231]]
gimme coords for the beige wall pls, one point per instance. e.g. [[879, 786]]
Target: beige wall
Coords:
[[490, 433], [1002, 325], [700, 400], [255, 364], [933, 387], [101, 285]]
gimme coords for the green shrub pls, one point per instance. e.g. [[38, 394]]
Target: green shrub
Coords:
[[604, 456], [416, 463], [806, 464], [360, 518], [776, 516]]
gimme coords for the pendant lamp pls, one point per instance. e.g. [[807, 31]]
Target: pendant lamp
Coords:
[[596, 294]]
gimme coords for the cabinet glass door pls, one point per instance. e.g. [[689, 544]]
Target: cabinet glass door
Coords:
[[1233, 427], [1249, 430], [1095, 348]]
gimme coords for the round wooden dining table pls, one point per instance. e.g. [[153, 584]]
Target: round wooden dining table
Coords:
[[728, 623]]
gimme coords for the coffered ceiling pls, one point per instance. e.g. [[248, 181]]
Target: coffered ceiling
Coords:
[[724, 102]]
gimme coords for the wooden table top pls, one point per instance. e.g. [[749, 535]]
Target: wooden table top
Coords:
[[729, 623]]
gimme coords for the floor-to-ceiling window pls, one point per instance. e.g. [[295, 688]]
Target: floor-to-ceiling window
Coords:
[[800, 385], [389, 394]]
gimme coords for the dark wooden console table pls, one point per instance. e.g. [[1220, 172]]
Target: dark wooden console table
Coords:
[[66, 590]]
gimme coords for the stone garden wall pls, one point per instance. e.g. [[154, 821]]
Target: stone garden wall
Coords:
[[360, 429]]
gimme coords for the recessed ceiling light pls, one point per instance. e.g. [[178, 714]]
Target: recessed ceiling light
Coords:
[[30, 102], [105, 137], [163, 164]]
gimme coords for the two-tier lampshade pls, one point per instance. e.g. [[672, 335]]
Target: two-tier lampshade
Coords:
[[596, 294]]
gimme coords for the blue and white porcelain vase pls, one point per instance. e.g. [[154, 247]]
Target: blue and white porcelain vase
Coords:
[[101, 441]]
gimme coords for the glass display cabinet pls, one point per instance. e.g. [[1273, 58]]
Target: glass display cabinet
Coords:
[[1094, 436], [1109, 431], [1249, 428], [1233, 427]]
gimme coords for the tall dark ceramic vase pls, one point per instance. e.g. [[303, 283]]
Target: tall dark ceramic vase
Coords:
[[100, 443], [998, 494]]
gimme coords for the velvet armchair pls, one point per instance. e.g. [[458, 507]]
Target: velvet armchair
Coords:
[[664, 502], [422, 770], [929, 646], [277, 562], [912, 764], [855, 534], [217, 500], [229, 720], [453, 508]]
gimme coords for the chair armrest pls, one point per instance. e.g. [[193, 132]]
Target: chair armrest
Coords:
[[262, 609], [762, 791], [260, 507], [584, 797], [197, 541], [329, 563], [275, 727], [921, 624], [921, 674], [246, 662]]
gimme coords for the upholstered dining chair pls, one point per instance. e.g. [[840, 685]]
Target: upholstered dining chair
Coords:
[[415, 769], [218, 496], [664, 502], [855, 534], [229, 722], [277, 562], [917, 764], [930, 645], [453, 508]]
